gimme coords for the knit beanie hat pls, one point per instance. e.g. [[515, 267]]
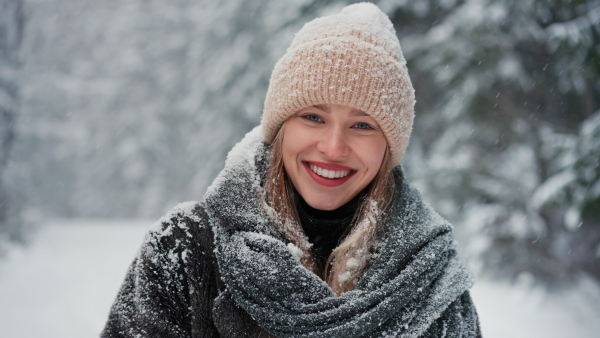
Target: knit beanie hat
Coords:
[[352, 58]]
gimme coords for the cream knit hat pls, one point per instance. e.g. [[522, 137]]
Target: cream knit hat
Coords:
[[352, 58]]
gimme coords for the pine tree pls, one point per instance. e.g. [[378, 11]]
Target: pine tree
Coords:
[[11, 30], [500, 80]]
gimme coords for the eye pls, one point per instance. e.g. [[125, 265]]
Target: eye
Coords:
[[312, 117], [362, 125]]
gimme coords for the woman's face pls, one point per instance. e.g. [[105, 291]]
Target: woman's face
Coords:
[[331, 153]]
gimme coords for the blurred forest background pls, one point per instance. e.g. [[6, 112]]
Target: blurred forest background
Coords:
[[121, 109]]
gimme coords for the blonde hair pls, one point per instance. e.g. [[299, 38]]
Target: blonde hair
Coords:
[[349, 261]]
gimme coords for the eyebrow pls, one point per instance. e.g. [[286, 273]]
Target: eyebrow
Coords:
[[354, 112]]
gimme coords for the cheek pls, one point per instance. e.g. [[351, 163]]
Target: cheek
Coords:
[[295, 140], [373, 155], [288, 146], [286, 155], [291, 147]]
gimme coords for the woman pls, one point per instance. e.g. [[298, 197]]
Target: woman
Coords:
[[310, 230]]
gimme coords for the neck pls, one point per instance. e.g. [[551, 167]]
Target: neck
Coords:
[[326, 229], [346, 210]]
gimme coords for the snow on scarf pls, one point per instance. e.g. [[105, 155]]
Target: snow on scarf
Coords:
[[415, 287]]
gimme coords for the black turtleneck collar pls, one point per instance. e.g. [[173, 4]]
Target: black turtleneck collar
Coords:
[[325, 229]]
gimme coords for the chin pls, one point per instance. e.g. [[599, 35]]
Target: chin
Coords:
[[324, 204]]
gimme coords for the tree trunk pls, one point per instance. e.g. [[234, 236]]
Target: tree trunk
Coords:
[[11, 31]]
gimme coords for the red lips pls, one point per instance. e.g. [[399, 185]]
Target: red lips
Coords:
[[329, 182]]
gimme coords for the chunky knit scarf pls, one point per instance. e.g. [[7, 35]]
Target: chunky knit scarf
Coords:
[[415, 287]]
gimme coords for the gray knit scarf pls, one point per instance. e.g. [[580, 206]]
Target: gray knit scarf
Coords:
[[416, 286]]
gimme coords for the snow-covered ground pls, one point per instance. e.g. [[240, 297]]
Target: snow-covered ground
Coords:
[[63, 283]]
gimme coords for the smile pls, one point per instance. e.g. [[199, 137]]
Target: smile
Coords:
[[328, 174]]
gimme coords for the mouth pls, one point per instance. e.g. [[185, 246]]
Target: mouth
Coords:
[[328, 174]]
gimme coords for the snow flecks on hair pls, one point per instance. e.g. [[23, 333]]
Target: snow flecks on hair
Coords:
[[361, 257], [344, 277], [374, 213], [352, 263]]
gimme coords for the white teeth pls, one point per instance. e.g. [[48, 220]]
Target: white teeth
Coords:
[[328, 173]]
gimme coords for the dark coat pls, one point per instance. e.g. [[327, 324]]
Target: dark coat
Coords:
[[172, 285]]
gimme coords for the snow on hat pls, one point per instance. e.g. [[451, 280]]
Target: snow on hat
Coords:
[[352, 58]]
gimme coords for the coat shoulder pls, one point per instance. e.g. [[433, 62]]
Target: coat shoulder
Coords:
[[171, 285], [183, 228], [183, 219]]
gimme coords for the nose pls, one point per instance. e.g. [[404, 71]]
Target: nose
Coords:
[[334, 144]]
